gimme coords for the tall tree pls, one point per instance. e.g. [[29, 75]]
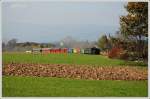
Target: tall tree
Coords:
[[103, 42], [135, 25], [3, 46], [11, 44]]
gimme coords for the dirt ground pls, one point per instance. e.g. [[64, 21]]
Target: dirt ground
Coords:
[[76, 71]]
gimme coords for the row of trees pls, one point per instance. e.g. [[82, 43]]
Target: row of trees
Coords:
[[133, 34], [67, 42], [13, 45]]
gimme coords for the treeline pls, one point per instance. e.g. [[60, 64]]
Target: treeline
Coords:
[[131, 41], [67, 42], [13, 45]]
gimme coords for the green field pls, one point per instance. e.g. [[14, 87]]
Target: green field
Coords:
[[40, 86], [65, 59], [44, 86]]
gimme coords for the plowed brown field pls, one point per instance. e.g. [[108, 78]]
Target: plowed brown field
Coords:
[[76, 71]]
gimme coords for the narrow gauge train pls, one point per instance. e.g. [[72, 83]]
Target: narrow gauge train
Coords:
[[93, 50]]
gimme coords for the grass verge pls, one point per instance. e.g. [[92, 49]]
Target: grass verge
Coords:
[[96, 60], [44, 86]]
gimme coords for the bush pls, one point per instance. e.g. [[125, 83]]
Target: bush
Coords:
[[123, 55], [133, 56], [115, 52]]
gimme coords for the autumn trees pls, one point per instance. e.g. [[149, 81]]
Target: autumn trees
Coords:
[[104, 42], [134, 27], [133, 33], [136, 22]]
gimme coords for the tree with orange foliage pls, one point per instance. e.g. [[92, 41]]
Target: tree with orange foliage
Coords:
[[134, 26]]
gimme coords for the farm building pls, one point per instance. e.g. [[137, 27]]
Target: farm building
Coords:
[[82, 51], [46, 50], [87, 51], [74, 50], [93, 50], [36, 50], [70, 50]]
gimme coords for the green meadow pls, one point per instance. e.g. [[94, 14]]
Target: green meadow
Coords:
[[15, 86], [96, 60], [44, 86]]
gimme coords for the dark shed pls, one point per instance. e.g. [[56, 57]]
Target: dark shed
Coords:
[[95, 51], [87, 51]]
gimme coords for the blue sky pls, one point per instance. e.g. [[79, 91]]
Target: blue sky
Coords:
[[52, 21]]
